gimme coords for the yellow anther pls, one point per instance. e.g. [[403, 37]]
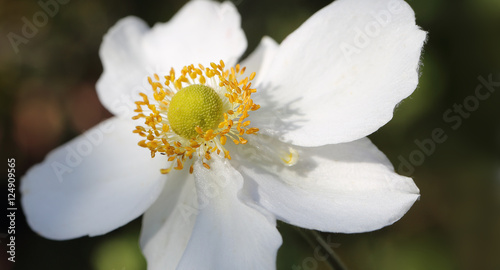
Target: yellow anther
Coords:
[[198, 130], [179, 165], [165, 171], [226, 154]]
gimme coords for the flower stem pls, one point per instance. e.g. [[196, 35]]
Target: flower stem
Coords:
[[315, 240]]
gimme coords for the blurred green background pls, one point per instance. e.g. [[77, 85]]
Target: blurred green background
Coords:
[[47, 97]]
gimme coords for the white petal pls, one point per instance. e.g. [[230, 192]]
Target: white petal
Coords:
[[228, 234], [324, 93], [167, 225], [124, 66], [93, 184], [201, 32], [349, 187], [260, 59]]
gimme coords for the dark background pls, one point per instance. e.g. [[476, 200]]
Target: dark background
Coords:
[[47, 96]]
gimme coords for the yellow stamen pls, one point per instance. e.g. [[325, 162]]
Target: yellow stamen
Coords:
[[158, 133], [291, 158]]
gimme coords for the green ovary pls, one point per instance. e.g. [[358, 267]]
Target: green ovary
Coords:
[[194, 106]]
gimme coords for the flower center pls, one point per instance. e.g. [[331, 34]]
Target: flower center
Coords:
[[195, 114], [194, 106]]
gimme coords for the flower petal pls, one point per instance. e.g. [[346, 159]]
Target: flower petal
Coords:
[[338, 77], [230, 232], [201, 32], [91, 185], [348, 188], [168, 223], [124, 67], [260, 59]]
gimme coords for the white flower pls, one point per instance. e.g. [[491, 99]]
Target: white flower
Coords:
[[307, 161]]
